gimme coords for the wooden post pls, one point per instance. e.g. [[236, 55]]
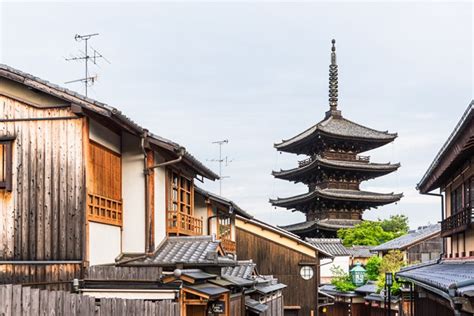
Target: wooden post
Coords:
[[150, 217]]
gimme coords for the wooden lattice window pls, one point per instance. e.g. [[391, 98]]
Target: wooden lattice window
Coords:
[[104, 185], [223, 225], [180, 193], [6, 164]]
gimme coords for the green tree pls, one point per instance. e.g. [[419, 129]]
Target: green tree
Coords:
[[397, 224], [373, 268], [341, 280], [392, 262], [367, 233]]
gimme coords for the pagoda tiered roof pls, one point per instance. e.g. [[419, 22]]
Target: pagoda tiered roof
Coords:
[[323, 224], [318, 196], [336, 128], [307, 170]]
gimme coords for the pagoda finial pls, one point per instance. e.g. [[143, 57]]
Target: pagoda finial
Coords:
[[333, 83]]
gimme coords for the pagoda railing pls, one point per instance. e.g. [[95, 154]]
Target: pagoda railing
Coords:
[[305, 162], [363, 158], [457, 222]]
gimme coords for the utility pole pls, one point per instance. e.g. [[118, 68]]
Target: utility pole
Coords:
[[220, 161], [88, 80]]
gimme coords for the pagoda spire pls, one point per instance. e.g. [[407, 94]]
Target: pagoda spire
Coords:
[[333, 84]]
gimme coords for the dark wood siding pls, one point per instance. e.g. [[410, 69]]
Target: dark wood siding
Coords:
[[282, 263], [42, 218]]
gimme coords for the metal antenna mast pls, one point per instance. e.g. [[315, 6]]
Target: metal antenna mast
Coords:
[[220, 161], [88, 80]]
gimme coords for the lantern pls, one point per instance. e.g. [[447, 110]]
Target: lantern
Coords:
[[358, 274]]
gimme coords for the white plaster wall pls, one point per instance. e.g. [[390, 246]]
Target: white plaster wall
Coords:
[[160, 204], [133, 195], [104, 243], [200, 211], [342, 262], [102, 135]]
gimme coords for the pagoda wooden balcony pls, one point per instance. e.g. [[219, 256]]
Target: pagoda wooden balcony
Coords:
[[458, 222], [229, 245], [180, 224]]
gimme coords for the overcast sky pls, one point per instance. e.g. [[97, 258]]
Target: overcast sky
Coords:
[[256, 73]]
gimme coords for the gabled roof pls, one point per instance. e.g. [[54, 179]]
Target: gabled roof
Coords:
[[412, 238], [112, 113], [371, 169], [283, 234], [458, 147], [361, 251], [338, 127], [371, 198], [452, 278], [186, 250], [333, 246]]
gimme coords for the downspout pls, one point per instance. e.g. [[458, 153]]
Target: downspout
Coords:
[[147, 171], [147, 193], [442, 219]]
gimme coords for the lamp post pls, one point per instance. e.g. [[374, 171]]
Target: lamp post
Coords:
[[388, 284]]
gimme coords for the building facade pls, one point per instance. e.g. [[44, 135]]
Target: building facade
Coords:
[[446, 286]]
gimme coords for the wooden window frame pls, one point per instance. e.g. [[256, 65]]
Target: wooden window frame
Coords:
[[7, 163], [180, 189]]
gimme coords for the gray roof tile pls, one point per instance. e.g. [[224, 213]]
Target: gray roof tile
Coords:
[[243, 269], [443, 276], [333, 246], [409, 239], [324, 223]]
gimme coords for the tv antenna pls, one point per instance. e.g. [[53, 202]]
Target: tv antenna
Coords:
[[93, 57], [221, 160]]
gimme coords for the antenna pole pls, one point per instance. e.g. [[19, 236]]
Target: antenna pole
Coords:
[[88, 80], [220, 161]]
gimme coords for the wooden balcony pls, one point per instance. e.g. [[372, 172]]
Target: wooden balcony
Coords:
[[179, 224], [458, 222], [228, 245]]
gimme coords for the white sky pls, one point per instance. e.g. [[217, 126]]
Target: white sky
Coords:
[[257, 72]]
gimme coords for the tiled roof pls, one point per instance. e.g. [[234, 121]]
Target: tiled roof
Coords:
[[255, 306], [361, 251], [243, 269], [332, 224], [98, 107], [333, 246], [379, 168], [194, 250], [429, 181], [338, 194], [411, 238], [369, 287], [454, 278], [339, 127]]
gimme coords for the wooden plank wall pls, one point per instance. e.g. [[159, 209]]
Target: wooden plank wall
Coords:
[[42, 218], [123, 273], [282, 263], [18, 300], [47, 276], [275, 307], [237, 306]]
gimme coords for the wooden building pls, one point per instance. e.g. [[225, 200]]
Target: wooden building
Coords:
[[420, 245], [73, 188], [287, 257], [446, 286], [334, 170]]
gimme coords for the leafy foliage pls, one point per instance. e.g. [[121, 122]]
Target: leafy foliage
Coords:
[[373, 268], [342, 280], [373, 233], [392, 262]]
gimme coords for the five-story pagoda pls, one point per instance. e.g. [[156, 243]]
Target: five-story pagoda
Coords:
[[334, 170]]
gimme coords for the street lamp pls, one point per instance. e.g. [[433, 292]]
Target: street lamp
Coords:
[[358, 274], [388, 284]]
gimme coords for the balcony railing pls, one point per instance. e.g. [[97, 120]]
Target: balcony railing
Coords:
[[305, 162], [183, 224], [228, 245], [457, 222]]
